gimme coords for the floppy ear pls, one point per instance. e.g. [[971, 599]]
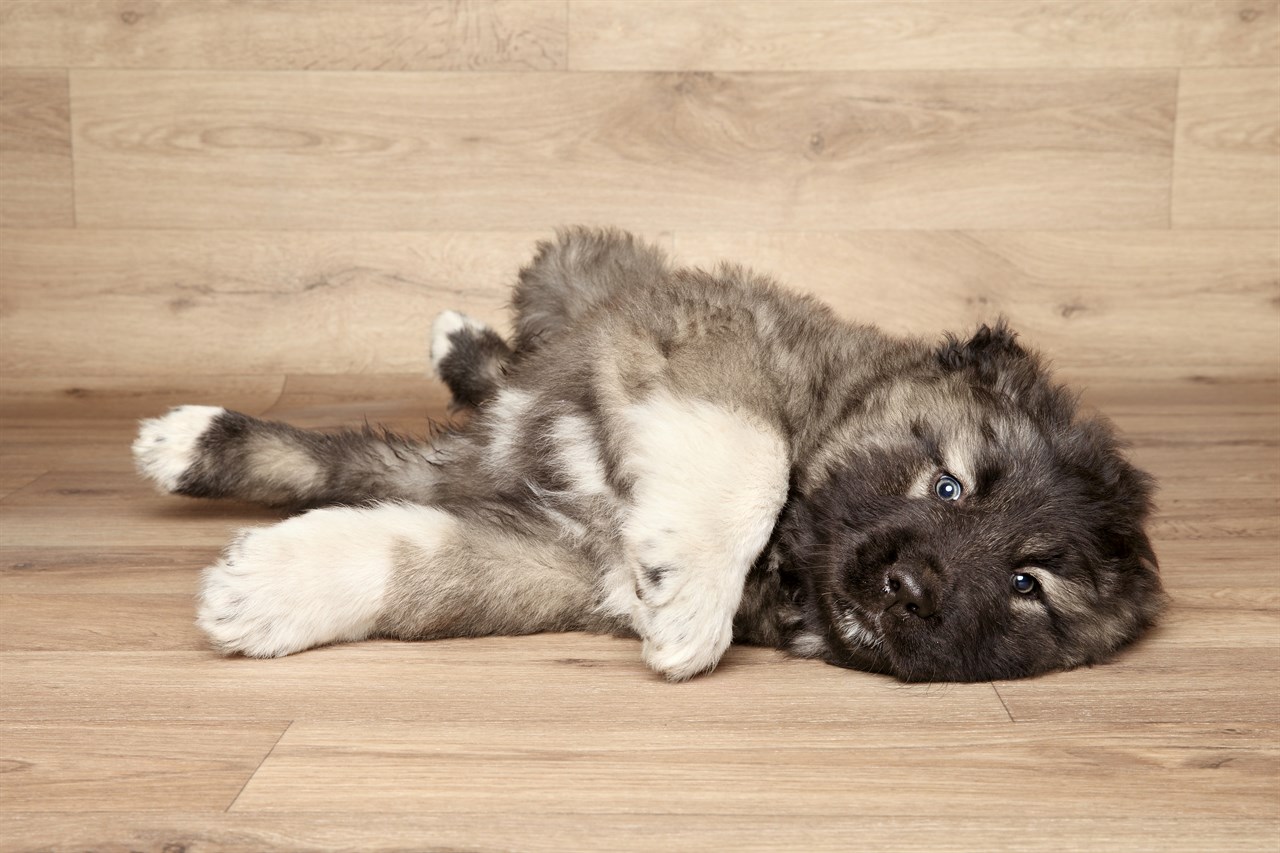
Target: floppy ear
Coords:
[[994, 359], [990, 350]]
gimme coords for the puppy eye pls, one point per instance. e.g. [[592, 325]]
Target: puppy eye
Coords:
[[1024, 583], [948, 488]]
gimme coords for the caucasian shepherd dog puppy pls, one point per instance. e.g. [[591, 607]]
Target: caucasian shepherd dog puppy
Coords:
[[694, 458]]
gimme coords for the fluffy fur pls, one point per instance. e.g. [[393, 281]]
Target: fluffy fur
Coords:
[[694, 458]]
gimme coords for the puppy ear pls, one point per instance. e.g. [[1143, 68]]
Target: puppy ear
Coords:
[[993, 359], [1134, 583], [991, 349]]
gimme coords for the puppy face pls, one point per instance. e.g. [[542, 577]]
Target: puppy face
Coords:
[[972, 527]]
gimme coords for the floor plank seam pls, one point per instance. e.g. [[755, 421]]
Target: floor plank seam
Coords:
[[1173, 148], [1003, 704], [280, 395], [258, 769]]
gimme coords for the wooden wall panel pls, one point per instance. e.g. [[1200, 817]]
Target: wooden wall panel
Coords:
[[225, 302], [1043, 149], [822, 36], [1102, 305], [1227, 171], [374, 35], [35, 149]]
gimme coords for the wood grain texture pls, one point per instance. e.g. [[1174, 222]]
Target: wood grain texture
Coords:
[[496, 682], [1227, 170], [97, 504], [81, 396], [821, 36], [36, 188], [708, 770], [97, 621], [103, 767], [1100, 304], [184, 303], [143, 570], [767, 832], [565, 732], [374, 35], [263, 204], [1042, 149], [1103, 305]]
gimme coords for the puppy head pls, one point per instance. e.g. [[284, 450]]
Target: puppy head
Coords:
[[970, 524]]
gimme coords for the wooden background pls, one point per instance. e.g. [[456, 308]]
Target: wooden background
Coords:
[[263, 204]]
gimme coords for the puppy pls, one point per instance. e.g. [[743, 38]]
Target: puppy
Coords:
[[692, 458]]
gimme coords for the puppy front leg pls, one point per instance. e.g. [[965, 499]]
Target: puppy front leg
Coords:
[[395, 570], [709, 484]]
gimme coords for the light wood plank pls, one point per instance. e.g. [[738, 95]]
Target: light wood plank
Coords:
[[138, 570], [80, 397], [1038, 149], [1104, 305], [101, 622], [558, 832], [95, 303], [710, 771], [249, 170], [1227, 168], [1197, 577], [375, 35], [810, 35], [15, 477], [35, 149], [117, 509], [1157, 684], [124, 766], [1098, 303], [499, 680], [49, 445]]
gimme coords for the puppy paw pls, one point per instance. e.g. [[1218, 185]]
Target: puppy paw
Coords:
[[686, 630], [315, 579], [166, 447], [448, 327]]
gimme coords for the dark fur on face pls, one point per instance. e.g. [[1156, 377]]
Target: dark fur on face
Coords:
[[1041, 563]]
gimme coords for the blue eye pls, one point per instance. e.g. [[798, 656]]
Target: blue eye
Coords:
[[948, 488], [1024, 583]]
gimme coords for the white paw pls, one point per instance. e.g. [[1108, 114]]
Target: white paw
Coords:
[[167, 446], [446, 323], [688, 632], [317, 578]]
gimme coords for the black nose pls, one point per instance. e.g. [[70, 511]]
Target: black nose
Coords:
[[911, 591]]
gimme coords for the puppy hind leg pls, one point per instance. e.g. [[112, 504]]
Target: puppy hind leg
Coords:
[[206, 451], [395, 570]]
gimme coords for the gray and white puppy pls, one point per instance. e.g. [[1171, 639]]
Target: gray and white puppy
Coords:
[[694, 458]]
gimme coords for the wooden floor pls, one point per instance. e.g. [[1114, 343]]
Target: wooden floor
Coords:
[[263, 204]]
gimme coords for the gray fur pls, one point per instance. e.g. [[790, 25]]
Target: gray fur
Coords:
[[543, 484]]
